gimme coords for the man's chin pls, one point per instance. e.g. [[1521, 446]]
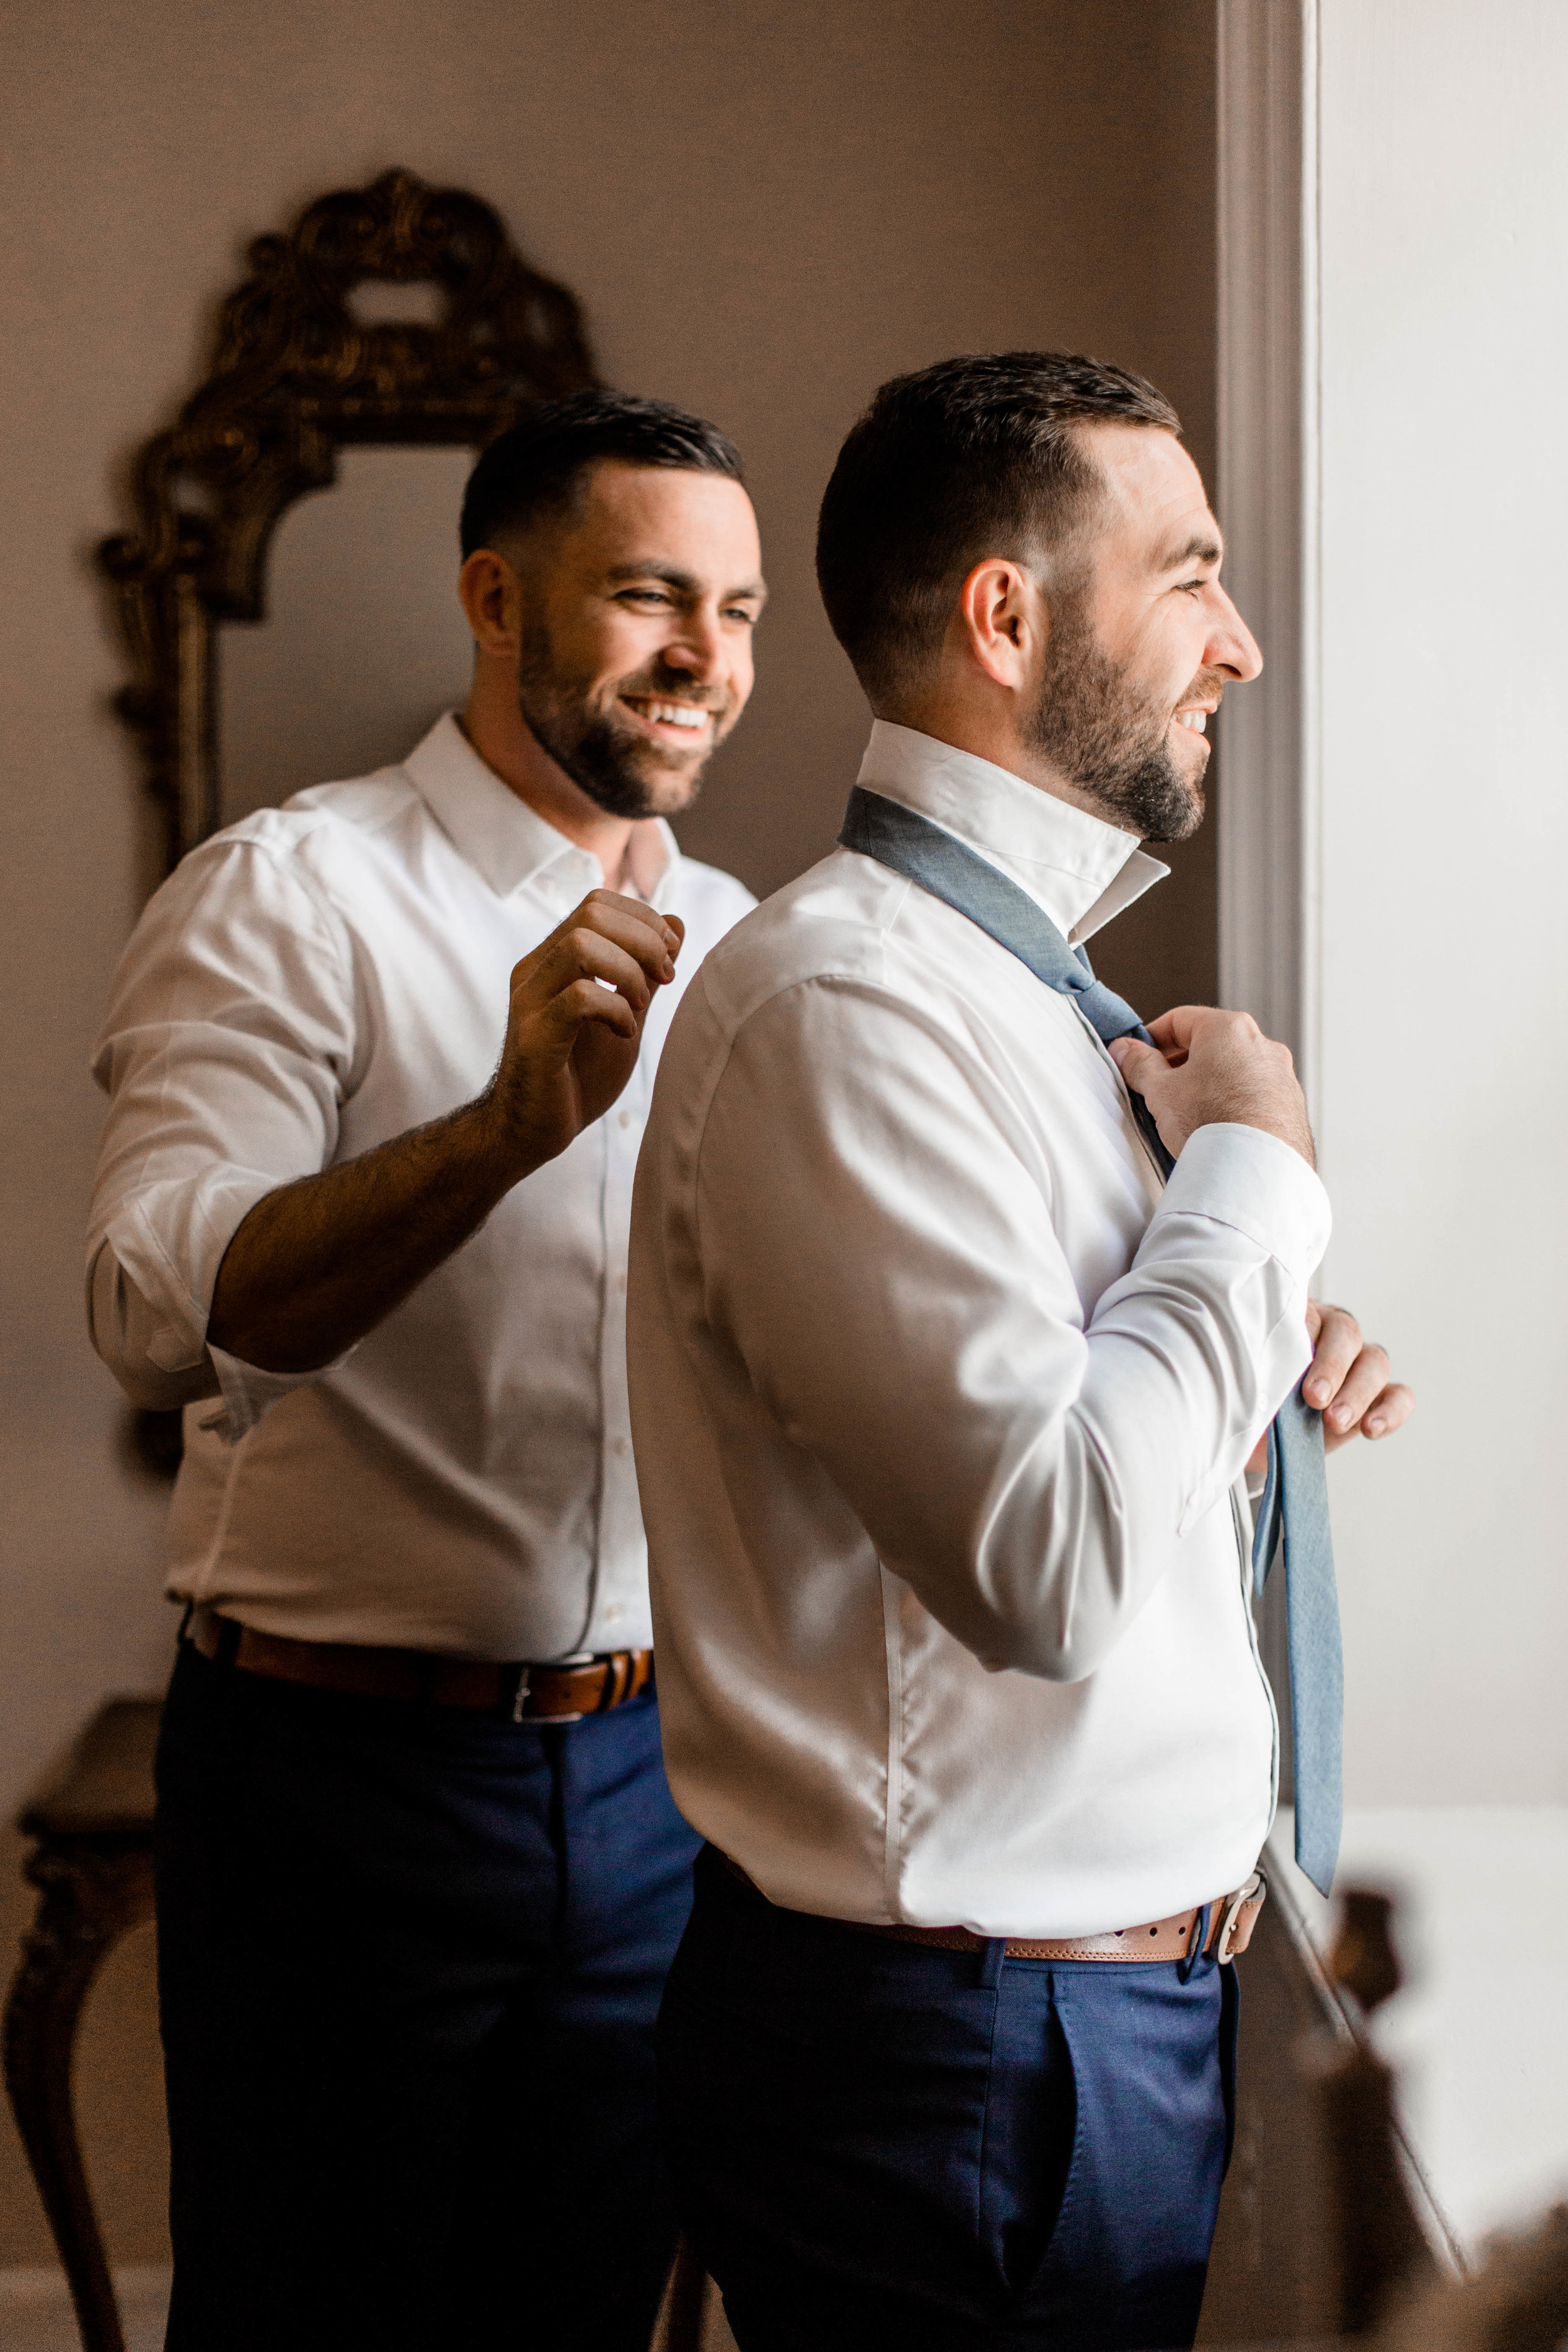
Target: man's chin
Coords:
[[668, 774], [633, 778], [1183, 805], [1176, 819], [662, 788], [672, 797]]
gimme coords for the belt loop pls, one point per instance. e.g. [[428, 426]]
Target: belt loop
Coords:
[[991, 1960], [618, 1673], [186, 1623], [1195, 1943]]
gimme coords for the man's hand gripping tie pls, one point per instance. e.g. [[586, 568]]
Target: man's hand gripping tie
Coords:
[[1205, 1067]]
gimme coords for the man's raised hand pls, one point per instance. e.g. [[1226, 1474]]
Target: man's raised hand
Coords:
[[319, 1263], [1211, 1066], [576, 1025], [1206, 1066]]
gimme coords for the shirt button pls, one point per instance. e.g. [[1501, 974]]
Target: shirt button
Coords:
[[614, 1613], [622, 1447], [625, 1118]]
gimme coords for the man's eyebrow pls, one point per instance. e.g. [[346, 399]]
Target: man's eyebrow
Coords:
[[685, 583], [1200, 549], [655, 569]]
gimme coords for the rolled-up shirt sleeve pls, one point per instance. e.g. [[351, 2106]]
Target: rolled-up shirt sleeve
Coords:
[[885, 1262], [227, 1052]]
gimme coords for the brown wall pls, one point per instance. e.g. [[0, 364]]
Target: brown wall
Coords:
[[765, 211]]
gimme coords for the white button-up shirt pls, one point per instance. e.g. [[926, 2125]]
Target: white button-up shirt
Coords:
[[311, 982], [942, 1406]]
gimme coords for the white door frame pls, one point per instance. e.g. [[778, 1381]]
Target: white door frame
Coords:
[[1269, 813]]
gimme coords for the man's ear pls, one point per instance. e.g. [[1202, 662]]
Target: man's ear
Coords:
[[491, 596], [1004, 621]]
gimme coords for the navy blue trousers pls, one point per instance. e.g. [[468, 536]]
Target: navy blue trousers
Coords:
[[882, 2143], [410, 1961]]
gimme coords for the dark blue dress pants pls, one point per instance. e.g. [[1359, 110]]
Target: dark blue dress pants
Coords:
[[410, 1961], [883, 2143]]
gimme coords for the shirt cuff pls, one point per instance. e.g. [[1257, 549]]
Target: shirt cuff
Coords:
[[248, 1392], [1239, 1176]]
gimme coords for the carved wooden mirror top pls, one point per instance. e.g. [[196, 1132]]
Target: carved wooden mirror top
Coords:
[[305, 363]]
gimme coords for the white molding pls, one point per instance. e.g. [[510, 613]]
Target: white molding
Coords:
[[42, 2287], [37, 2315], [1267, 492]]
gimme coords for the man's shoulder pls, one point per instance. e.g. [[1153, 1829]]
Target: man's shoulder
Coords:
[[830, 924], [319, 835], [308, 866], [338, 819]]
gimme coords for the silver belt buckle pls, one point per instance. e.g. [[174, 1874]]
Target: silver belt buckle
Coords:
[[1255, 1888], [525, 1683]]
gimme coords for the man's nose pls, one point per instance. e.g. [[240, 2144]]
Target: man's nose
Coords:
[[1232, 647], [695, 645]]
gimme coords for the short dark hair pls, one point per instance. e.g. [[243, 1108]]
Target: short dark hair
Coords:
[[535, 467], [974, 456]]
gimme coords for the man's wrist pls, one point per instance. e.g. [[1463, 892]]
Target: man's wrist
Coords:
[[483, 1144], [1286, 1125]]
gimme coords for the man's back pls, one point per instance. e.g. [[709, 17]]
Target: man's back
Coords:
[[950, 1585]]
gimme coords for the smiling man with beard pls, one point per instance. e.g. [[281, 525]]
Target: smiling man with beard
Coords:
[[379, 1063], [949, 1355]]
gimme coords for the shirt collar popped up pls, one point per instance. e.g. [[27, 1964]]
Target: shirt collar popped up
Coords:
[[1079, 869], [504, 840]]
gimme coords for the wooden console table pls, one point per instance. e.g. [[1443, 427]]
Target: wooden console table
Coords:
[[92, 1865]]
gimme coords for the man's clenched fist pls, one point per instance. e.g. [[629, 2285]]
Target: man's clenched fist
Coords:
[[574, 1029]]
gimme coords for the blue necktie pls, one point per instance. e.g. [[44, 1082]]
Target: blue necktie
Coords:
[[1294, 1510]]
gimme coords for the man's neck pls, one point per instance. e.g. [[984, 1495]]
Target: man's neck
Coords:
[[510, 751], [986, 735]]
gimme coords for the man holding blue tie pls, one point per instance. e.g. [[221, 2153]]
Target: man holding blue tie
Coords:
[[961, 1305]]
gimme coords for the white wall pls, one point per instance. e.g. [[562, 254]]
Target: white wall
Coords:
[[1444, 1116]]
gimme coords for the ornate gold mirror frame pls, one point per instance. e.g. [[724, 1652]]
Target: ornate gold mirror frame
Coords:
[[297, 375]]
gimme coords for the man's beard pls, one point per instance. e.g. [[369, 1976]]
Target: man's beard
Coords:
[[606, 756], [1108, 736]]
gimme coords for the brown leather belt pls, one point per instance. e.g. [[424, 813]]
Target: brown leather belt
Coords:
[[1231, 1919], [562, 1692]]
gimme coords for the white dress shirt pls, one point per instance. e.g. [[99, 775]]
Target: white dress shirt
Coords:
[[309, 983], [942, 1405]]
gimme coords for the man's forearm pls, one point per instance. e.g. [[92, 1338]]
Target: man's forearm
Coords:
[[319, 1263]]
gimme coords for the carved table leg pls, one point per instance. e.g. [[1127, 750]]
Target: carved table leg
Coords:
[[91, 1895], [688, 2296]]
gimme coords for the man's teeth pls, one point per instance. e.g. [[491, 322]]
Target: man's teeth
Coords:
[[673, 714], [1196, 719]]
